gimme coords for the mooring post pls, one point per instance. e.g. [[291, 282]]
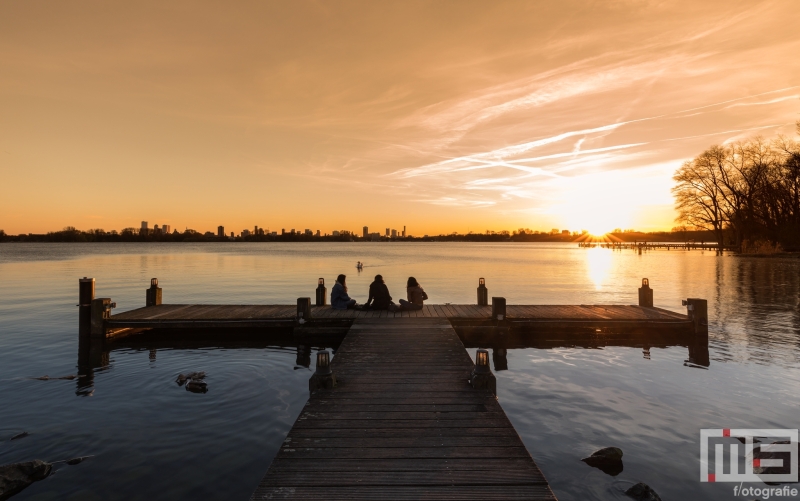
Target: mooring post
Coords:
[[645, 294], [323, 376], [498, 308], [481, 377], [303, 310], [101, 311], [697, 310], [321, 293], [483, 293], [85, 297], [153, 295]]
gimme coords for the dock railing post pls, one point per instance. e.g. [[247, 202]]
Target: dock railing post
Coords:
[[101, 311], [645, 294], [481, 377], [483, 293], [498, 308], [321, 293], [323, 376], [303, 309], [153, 297], [697, 310], [85, 298]]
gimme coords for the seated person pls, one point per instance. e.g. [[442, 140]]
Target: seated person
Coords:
[[339, 298], [379, 298], [415, 296]]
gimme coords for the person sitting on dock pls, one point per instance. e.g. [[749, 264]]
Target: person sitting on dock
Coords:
[[379, 298], [339, 298], [415, 294]]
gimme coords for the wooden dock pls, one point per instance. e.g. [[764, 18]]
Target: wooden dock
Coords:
[[403, 423], [184, 316]]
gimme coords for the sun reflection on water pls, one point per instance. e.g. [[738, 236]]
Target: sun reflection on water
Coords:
[[599, 265]]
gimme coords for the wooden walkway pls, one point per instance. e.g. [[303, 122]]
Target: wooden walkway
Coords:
[[211, 316], [403, 423]]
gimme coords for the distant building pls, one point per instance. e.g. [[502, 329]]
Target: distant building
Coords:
[[309, 232], [366, 231], [245, 233], [232, 235], [394, 233], [255, 230], [317, 232], [335, 233], [375, 237], [404, 232], [283, 231], [156, 230], [143, 230], [221, 231], [387, 232], [165, 228], [565, 232]]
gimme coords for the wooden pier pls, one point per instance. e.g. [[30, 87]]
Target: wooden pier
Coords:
[[403, 422], [402, 412], [184, 316]]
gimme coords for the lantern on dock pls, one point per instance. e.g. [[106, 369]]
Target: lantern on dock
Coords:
[[483, 293], [482, 362], [321, 292], [646, 294], [323, 363]]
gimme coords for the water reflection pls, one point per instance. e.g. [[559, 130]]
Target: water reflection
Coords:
[[599, 262]]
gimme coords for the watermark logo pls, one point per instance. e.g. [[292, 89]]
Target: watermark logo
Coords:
[[759, 456]]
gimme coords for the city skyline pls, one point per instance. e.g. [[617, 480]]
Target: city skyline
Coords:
[[503, 115]]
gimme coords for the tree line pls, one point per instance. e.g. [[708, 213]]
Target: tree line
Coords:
[[747, 193]]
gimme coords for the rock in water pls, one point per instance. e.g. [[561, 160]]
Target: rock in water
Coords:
[[16, 477], [607, 459], [196, 386], [642, 492], [78, 460], [20, 435]]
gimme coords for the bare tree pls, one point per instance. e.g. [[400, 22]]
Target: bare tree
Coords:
[[699, 196]]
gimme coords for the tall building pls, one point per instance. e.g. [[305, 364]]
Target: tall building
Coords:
[[366, 231], [404, 232], [387, 232], [165, 228], [232, 235], [143, 230], [221, 231], [394, 233]]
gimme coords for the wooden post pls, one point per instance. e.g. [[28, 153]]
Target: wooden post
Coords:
[[101, 311], [481, 376], [645, 294], [303, 309], [153, 296], [498, 308], [321, 293], [85, 297], [697, 310], [500, 359], [483, 293]]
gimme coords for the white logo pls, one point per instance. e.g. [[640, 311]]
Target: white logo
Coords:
[[772, 462]]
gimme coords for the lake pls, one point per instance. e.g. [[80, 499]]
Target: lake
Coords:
[[151, 439]]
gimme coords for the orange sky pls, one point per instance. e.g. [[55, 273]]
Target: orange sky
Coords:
[[444, 115]]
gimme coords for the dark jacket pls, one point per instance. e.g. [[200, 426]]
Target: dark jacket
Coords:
[[339, 297], [379, 298], [416, 295]]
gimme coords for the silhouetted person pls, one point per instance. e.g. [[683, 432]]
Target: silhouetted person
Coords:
[[379, 298], [339, 298], [415, 294]]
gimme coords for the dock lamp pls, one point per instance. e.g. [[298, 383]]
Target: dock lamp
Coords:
[[323, 363], [481, 377], [323, 377], [482, 362]]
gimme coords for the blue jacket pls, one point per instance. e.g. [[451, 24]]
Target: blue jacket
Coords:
[[339, 297]]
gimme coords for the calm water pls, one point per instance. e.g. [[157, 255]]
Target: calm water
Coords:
[[154, 440]]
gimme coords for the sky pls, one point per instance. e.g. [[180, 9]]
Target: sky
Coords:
[[441, 116]]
